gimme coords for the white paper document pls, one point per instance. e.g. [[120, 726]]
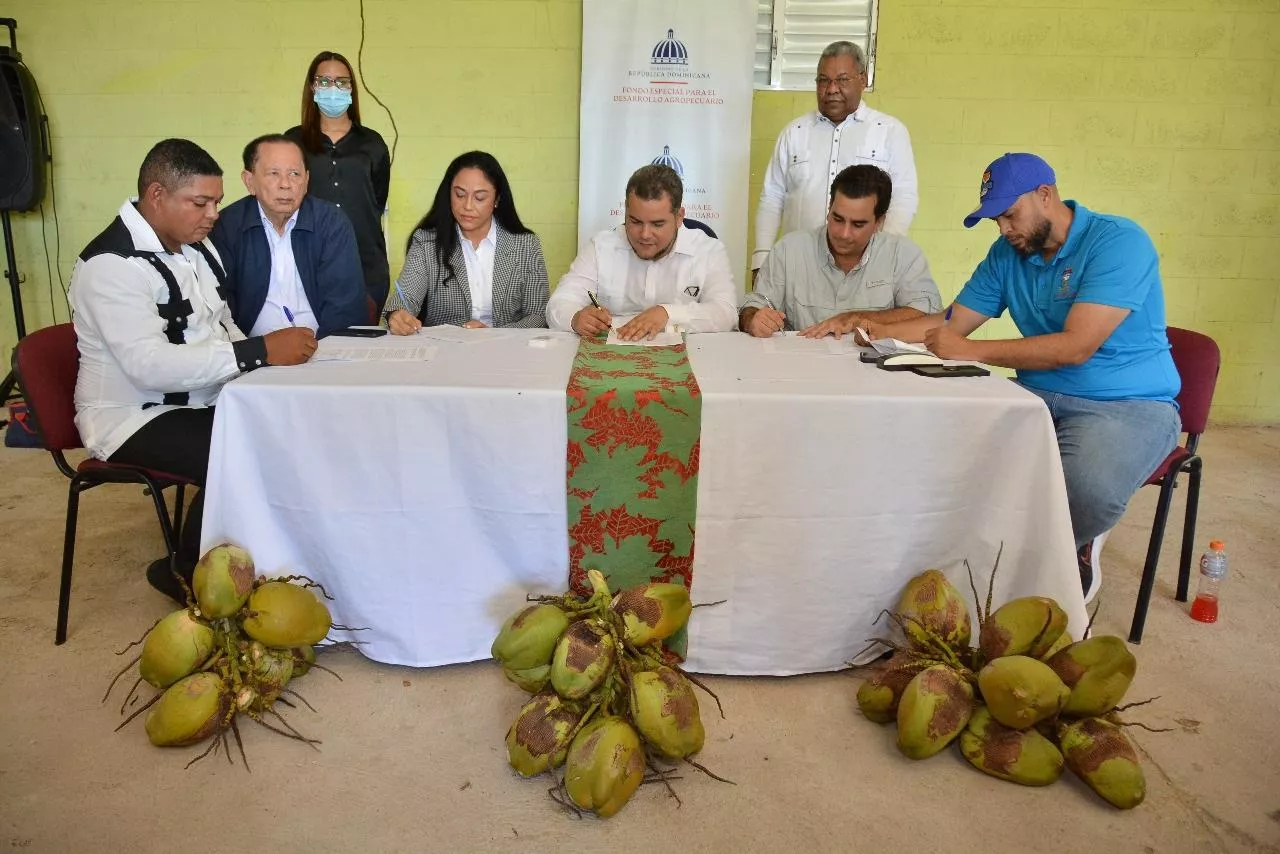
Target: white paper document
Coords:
[[327, 352], [792, 343], [454, 334], [666, 338]]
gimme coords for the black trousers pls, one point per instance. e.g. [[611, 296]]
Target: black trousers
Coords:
[[176, 442]]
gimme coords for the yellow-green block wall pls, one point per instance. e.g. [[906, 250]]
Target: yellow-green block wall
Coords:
[[1166, 111]]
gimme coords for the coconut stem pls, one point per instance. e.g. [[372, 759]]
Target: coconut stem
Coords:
[[131, 696], [1127, 706], [294, 693], [708, 772], [991, 582], [235, 730], [310, 582], [663, 776], [121, 673], [216, 743], [149, 704], [139, 640], [311, 741], [700, 684]]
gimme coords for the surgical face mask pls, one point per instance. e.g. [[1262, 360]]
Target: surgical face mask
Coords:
[[333, 102]]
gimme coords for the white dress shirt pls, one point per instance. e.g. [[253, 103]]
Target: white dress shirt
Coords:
[[285, 288], [693, 282], [811, 151], [125, 359], [479, 261]]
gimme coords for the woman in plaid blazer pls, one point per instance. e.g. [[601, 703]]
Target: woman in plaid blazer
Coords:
[[470, 262]]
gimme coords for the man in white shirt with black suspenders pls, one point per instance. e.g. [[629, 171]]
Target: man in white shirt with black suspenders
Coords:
[[155, 333]]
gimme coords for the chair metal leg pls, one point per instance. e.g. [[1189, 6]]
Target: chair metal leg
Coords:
[[166, 527], [177, 515], [68, 561], [1153, 558], [1194, 466]]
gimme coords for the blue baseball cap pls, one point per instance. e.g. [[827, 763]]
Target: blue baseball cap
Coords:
[[1005, 179]]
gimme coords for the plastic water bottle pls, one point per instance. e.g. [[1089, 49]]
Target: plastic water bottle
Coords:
[[1213, 568]]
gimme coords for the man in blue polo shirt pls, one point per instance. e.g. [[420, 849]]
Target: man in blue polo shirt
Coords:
[[1084, 290]]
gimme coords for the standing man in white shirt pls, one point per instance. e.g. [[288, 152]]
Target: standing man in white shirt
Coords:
[[650, 266], [814, 148], [155, 334]]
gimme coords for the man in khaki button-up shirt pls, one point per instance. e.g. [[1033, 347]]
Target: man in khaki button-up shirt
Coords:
[[826, 280]]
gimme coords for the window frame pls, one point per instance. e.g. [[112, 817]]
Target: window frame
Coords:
[[778, 12]]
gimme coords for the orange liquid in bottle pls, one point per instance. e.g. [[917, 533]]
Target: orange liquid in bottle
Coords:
[[1205, 609]]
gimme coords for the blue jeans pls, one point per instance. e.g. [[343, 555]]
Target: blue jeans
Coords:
[[1109, 448]]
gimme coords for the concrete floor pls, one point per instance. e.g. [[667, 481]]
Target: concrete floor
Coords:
[[413, 760]]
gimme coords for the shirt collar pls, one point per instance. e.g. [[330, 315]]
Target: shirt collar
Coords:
[[1079, 223], [858, 115], [686, 242], [144, 236], [820, 238], [491, 238], [270, 226]]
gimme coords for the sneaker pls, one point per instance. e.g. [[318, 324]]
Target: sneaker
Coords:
[[1091, 566], [160, 578]]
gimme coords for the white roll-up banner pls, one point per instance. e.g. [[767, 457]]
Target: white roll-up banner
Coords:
[[668, 81]]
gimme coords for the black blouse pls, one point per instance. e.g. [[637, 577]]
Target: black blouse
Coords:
[[355, 174]]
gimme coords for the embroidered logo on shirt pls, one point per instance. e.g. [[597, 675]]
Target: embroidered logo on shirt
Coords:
[[985, 187], [1064, 287], [693, 291]]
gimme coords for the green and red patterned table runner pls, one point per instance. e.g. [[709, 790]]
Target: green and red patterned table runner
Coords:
[[635, 416]]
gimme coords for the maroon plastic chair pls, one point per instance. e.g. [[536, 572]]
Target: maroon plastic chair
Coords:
[[46, 363], [372, 307], [1197, 359]]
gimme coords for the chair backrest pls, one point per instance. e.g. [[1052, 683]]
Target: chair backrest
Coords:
[[1197, 358], [372, 307], [700, 226], [46, 363]]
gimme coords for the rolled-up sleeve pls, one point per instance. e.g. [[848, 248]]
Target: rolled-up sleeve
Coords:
[[771, 285], [914, 286]]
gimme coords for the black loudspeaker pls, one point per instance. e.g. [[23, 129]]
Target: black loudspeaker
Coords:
[[23, 146]]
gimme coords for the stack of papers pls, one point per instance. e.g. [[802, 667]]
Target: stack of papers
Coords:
[[892, 346]]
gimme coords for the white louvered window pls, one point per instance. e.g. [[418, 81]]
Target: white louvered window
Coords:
[[790, 35]]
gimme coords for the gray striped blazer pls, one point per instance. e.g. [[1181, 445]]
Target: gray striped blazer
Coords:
[[519, 282]]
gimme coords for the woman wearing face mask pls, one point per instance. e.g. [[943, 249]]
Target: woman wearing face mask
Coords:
[[471, 262], [349, 163]]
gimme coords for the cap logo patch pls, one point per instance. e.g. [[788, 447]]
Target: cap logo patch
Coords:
[[986, 185]]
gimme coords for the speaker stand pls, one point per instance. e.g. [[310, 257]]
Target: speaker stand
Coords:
[[19, 322]]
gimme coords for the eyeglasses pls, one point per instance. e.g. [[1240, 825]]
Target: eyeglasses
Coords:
[[343, 83], [843, 81]]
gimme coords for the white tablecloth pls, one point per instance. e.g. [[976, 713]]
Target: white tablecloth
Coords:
[[826, 484], [429, 497]]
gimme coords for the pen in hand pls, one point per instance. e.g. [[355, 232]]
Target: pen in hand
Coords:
[[288, 314], [946, 317], [594, 301]]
